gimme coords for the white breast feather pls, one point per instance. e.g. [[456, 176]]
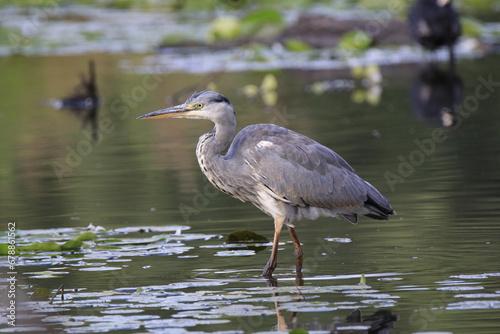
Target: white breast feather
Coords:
[[268, 203]]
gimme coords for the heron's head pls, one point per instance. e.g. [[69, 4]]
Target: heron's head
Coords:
[[201, 105]]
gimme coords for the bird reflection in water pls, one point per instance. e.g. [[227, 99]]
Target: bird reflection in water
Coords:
[[380, 322], [435, 94], [83, 102]]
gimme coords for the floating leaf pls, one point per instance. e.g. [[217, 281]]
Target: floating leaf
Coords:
[[72, 245], [42, 246], [85, 236], [41, 293], [224, 28], [245, 236], [362, 280], [263, 23], [295, 45], [355, 40], [5, 250], [299, 331]]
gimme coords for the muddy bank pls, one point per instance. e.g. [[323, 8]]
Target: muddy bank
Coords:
[[322, 31]]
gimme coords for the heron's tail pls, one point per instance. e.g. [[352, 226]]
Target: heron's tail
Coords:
[[378, 205]]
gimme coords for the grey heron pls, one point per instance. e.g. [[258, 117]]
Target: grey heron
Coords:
[[285, 174]]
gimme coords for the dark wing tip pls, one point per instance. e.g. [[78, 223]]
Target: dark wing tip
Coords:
[[380, 211]]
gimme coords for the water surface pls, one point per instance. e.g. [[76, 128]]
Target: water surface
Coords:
[[434, 265]]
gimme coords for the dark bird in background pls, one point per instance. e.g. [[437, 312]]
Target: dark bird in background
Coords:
[[434, 24], [285, 174], [84, 101], [435, 93]]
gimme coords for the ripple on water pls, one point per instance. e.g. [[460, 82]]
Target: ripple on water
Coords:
[[102, 268], [121, 311], [459, 288], [474, 305], [241, 252], [478, 295]]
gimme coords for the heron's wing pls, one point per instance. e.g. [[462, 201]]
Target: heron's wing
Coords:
[[299, 171]]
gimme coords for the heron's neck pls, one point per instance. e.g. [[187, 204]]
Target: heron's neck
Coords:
[[211, 144]]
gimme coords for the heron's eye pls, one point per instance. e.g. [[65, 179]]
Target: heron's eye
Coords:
[[198, 105]]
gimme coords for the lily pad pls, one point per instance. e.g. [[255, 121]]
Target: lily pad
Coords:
[[295, 45], [85, 236], [224, 28], [299, 331], [5, 250], [49, 246], [264, 23], [355, 40], [72, 245]]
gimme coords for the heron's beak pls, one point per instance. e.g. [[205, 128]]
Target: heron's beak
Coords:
[[442, 3], [175, 111]]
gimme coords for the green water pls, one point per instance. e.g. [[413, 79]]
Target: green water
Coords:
[[434, 265]]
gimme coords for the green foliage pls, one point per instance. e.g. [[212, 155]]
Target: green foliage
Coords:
[[481, 5], [72, 245], [355, 40], [296, 45], [263, 23], [299, 331], [49, 246], [471, 27], [85, 236], [224, 28], [4, 250], [245, 236]]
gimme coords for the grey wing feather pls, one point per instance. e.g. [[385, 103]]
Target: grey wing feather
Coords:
[[299, 171]]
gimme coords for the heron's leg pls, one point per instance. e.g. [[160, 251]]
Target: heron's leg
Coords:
[[273, 259], [299, 255]]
